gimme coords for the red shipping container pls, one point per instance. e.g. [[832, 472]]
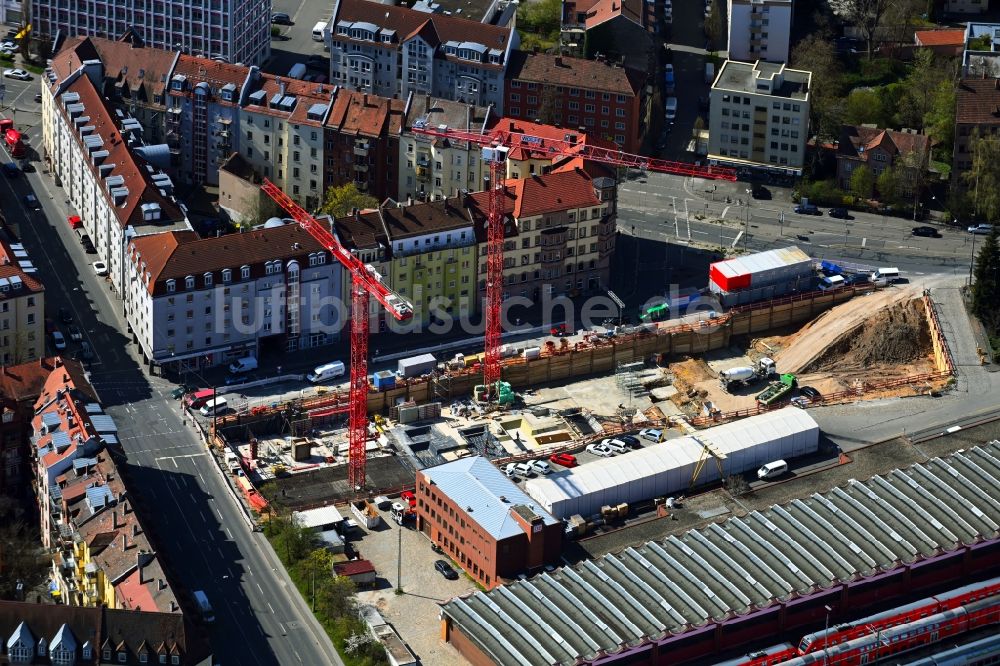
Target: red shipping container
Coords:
[[726, 280]]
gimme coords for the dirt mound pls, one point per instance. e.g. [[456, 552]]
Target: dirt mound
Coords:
[[894, 336]]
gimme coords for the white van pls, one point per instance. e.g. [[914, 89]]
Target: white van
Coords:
[[671, 108], [832, 282], [884, 276], [318, 31], [213, 407], [241, 365], [326, 372], [772, 470]]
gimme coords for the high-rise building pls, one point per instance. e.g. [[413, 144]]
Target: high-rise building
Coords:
[[760, 29], [228, 30]]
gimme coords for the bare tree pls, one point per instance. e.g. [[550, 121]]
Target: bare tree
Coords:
[[866, 14]]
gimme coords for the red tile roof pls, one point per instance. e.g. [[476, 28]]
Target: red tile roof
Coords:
[[142, 69], [575, 73], [213, 72], [978, 102], [605, 10], [553, 192], [434, 28], [306, 95], [354, 568], [127, 165], [361, 114], [175, 255], [9, 268], [939, 37], [25, 381]]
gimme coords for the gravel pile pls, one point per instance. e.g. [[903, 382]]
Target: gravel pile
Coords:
[[894, 336]]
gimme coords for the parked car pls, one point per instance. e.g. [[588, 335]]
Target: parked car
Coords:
[[631, 440], [18, 74], [445, 570], [563, 459], [652, 434], [10, 170], [615, 445], [32, 202], [38, 97], [840, 213], [86, 351], [100, 268], [981, 229], [810, 392], [558, 330], [760, 192], [281, 18], [808, 209], [541, 467], [927, 232], [58, 341], [318, 62], [74, 221], [524, 469], [75, 334], [599, 450], [510, 470], [65, 316]]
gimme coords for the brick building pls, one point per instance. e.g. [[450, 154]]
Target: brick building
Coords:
[[593, 96], [879, 149], [977, 111], [488, 525]]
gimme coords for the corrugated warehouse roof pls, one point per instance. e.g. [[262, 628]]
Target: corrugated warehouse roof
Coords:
[[669, 467], [743, 564], [763, 261], [486, 492]]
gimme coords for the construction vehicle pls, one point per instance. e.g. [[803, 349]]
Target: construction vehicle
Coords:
[[777, 390], [746, 376], [495, 146]]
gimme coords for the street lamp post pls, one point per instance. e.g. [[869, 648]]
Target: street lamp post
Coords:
[[746, 226], [826, 635], [972, 257]]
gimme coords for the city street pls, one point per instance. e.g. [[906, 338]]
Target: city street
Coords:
[[203, 537], [296, 43]]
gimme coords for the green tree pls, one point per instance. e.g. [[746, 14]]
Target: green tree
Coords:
[[986, 284], [21, 556], [292, 542], [983, 179], [862, 182], [816, 54], [888, 185], [865, 14], [257, 209], [939, 120], [543, 17], [340, 201], [864, 105]]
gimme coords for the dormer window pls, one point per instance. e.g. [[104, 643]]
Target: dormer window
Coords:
[[245, 272], [227, 275], [227, 95], [122, 656], [41, 647], [171, 288], [189, 282], [272, 267], [208, 279], [87, 651], [106, 654], [143, 657]]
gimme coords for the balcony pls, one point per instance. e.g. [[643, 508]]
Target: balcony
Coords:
[[423, 172], [362, 185], [360, 167], [361, 149]]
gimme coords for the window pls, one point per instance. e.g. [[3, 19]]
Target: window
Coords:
[[189, 282], [245, 272], [122, 656], [227, 275], [171, 286], [208, 279]]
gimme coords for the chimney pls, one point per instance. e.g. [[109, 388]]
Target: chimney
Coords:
[[114, 523], [409, 201], [281, 87], [427, 104], [58, 361], [161, 584], [365, 100], [357, 214], [125, 545], [135, 530], [173, 606], [559, 61]]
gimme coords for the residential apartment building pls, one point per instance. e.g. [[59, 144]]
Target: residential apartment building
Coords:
[[393, 51], [485, 522], [531, 154], [760, 116], [760, 30], [232, 30], [68, 424], [204, 302], [11, 12], [22, 305], [134, 77], [906, 152], [20, 386], [621, 30], [109, 176], [976, 105], [361, 137], [560, 234], [432, 168], [593, 96], [202, 116], [428, 252], [59, 634]]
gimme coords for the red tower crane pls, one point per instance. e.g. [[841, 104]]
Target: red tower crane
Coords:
[[365, 282], [496, 145]]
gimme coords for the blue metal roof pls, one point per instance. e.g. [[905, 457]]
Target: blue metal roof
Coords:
[[51, 420], [80, 463], [60, 440], [109, 438], [94, 408], [486, 494], [98, 496], [103, 423]]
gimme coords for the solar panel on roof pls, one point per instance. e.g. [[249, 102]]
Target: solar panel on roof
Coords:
[[50, 419], [94, 408], [103, 423], [61, 440]]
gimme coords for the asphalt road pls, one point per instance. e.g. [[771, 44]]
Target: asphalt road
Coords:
[[296, 43], [197, 524]]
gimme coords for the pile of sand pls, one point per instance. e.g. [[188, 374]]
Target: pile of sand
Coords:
[[894, 336]]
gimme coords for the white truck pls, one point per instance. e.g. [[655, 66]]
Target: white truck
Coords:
[[243, 365], [204, 607], [744, 376]]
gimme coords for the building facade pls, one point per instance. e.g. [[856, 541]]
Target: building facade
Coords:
[[361, 137], [20, 386], [431, 168], [22, 306], [591, 96], [108, 174], [906, 152], [393, 51], [976, 103], [560, 235], [617, 29], [202, 117], [204, 302], [232, 30], [759, 116], [760, 30], [488, 525]]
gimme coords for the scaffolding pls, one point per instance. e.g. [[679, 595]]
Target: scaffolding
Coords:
[[627, 378]]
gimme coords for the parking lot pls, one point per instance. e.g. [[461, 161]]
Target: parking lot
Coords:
[[414, 613], [295, 42]]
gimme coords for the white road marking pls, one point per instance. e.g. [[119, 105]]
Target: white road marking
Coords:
[[738, 237], [272, 612], [260, 588], [864, 242], [229, 533], [724, 211]]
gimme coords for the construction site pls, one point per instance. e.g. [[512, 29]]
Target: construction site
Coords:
[[852, 344]]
